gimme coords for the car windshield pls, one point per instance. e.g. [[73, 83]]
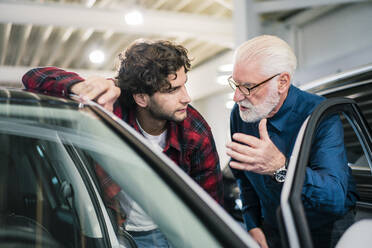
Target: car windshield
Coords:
[[53, 148]]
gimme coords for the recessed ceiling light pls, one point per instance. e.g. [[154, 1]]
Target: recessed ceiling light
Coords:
[[134, 17], [90, 3], [97, 57]]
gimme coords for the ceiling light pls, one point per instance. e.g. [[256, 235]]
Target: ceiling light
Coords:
[[90, 3], [97, 57], [134, 17]]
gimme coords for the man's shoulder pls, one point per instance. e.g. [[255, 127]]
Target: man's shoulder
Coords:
[[306, 101], [307, 95], [195, 122]]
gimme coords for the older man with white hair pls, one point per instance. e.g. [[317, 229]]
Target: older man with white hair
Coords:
[[265, 121]]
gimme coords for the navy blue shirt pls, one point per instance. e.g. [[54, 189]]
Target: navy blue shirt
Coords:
[[329, 189]]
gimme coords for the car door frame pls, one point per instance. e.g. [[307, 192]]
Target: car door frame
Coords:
[[292, 219], [218, 223]]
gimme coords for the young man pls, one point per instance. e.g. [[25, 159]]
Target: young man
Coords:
[[265, 120], [155, 102]]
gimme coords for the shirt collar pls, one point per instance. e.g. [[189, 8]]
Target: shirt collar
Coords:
[[132, 121], [278, 121], [172, 131], [172, 137]]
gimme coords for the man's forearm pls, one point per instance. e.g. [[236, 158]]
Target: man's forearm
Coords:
[[50, 79]]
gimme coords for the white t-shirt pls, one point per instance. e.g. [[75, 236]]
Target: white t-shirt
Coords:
[[159, 141], [137, 219]]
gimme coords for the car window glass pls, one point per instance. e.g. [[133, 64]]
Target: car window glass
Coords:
[[355, 154], [361, 171], [142, 201], [32, 189]]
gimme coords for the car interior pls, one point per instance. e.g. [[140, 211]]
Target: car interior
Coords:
[[26, 206], [361, 171], [34, 200]]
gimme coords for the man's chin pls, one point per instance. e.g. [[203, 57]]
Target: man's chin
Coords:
[[179, 118], [247, 117]]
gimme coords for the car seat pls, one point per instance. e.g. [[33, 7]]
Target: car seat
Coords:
[[357, 235]]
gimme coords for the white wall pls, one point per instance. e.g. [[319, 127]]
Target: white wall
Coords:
[[337, 41], [201, 81], [217, 115]]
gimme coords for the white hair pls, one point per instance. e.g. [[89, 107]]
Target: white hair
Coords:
[[274, 54]]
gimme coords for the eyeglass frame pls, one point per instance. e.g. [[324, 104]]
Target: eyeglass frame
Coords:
[[233, 84]]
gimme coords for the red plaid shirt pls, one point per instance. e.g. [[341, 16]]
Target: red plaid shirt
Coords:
[[189, 144]]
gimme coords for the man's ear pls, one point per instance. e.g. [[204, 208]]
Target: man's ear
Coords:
[[284, 82], [141, 99]]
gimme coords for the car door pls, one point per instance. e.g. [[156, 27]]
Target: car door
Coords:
[[294, 228], [184, 213], [58, 144]]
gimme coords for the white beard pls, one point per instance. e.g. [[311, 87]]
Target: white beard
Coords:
[[255, 113]]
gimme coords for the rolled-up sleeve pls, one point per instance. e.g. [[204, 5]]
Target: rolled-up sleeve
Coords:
[[51, 80]]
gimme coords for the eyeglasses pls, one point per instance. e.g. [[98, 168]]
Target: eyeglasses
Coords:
[[244, 89]]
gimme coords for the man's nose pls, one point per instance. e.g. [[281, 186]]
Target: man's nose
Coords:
[[238, 95], [185, 96]]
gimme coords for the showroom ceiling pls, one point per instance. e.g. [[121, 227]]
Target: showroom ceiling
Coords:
[[65, 32]]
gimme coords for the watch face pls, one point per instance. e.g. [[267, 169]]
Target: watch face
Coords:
[[280, 175]]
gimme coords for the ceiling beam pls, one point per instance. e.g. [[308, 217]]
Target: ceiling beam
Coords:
[[282, 5], [158, 4], [167, 23], [309, 15], [57, 46], [203, 6], [45, 33], [78, 46], [225, 4], [4, 41], [26, 31]]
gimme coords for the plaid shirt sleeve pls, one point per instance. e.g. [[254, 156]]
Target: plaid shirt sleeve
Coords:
[[57, 81], [110, 191], [51, 80]]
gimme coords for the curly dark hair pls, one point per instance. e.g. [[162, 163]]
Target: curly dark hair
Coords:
[[145, 67]]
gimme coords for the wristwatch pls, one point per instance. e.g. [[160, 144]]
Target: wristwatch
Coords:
[[280, 174]]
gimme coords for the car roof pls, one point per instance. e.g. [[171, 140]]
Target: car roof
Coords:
[[32, 97]]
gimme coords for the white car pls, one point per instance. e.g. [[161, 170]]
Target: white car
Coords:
[[50, 189]]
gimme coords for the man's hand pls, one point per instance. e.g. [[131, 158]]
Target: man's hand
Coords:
[[258, 235], [100, 89], [257, 155]]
